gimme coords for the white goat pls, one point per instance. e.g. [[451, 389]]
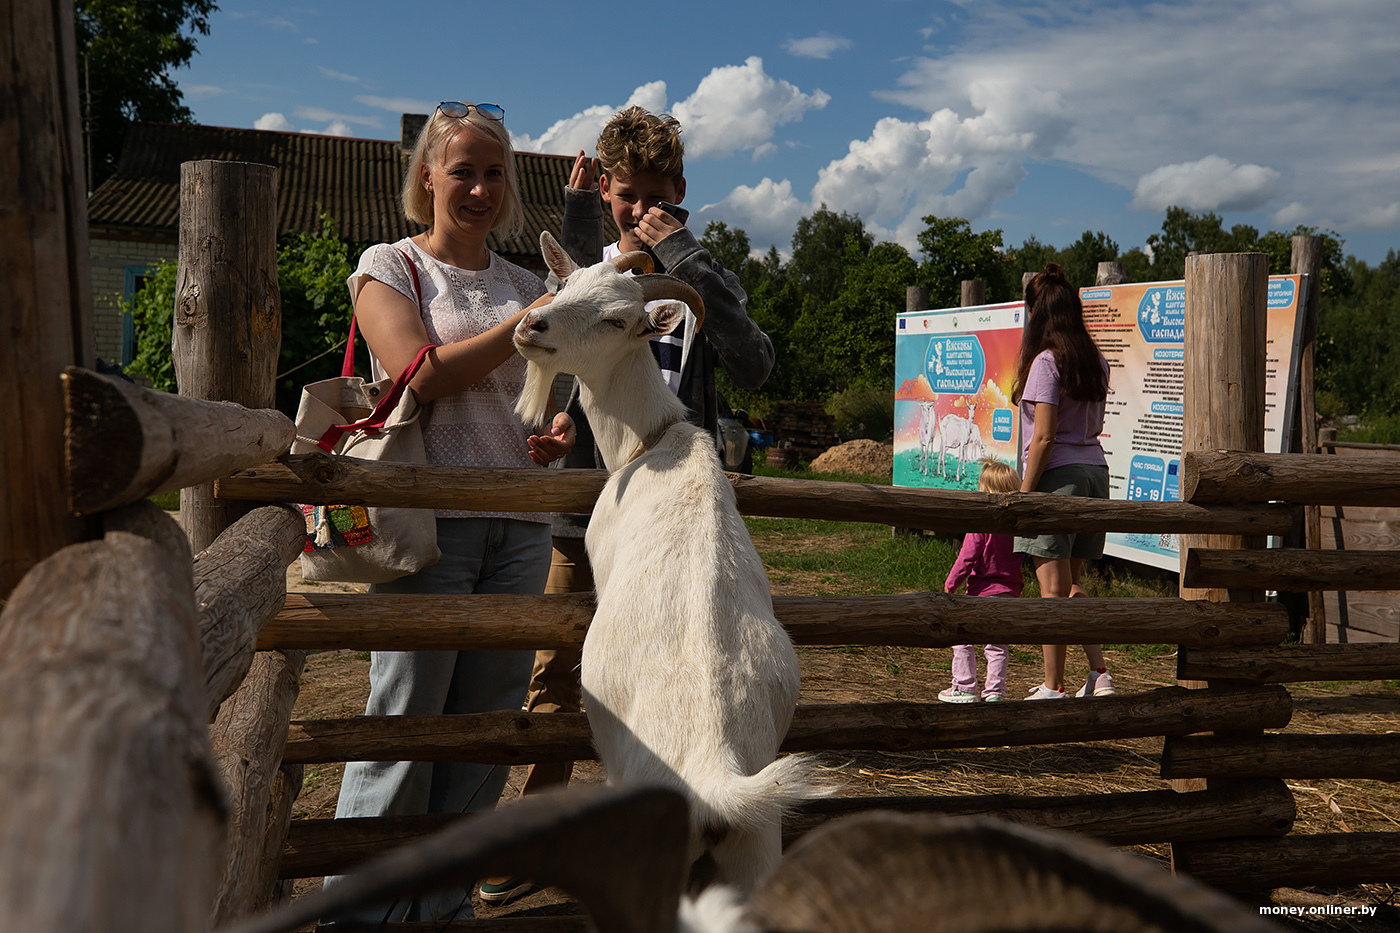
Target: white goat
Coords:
[[688, 679], [928, 433], [956, 433]]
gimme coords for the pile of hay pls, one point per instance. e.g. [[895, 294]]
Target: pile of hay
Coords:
[[859, 456]]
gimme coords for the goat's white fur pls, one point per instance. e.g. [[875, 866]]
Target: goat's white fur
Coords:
[[688, 679]]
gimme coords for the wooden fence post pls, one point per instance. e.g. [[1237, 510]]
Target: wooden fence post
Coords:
[[228, 307], [1026, 281], [1307, 259], [1111, 273], [1223, 383], [974, 293], [47, 314]]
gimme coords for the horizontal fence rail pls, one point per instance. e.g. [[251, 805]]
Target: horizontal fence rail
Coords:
[[1293, 570], [1293, 756], [1282, 664], [1242, 808], [1232, 476], [513, 737], [321, 478], [1322, 860], [384, 622]]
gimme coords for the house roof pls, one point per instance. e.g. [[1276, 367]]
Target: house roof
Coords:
[[355, 180]]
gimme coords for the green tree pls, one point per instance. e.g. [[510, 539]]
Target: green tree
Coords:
[[730, 248], [1358, 344], [1081, 259], [126, 51], [819, 253], [1031, 256], [953, 254], [1184, 232], [316, 309]]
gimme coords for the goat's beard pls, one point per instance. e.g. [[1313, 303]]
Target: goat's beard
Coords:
[[533, 404]]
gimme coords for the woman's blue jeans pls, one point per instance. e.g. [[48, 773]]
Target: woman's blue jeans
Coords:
[[479, 555]]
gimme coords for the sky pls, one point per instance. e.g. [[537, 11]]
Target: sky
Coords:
[[1042, 119]]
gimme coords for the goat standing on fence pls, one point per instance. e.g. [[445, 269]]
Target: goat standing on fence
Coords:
[[689, 680]]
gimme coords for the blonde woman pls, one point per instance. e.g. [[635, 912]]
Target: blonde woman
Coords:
[[445, 288]]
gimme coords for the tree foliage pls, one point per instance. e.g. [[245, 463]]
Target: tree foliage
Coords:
[[126, 51], [954, 254], [316, 309]]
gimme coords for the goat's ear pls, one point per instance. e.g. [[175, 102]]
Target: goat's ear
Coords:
[[662, 318], [558, 261]]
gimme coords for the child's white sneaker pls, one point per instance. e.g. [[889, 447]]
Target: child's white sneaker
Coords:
[[1098, 685], [954, 695], [1043, 692]]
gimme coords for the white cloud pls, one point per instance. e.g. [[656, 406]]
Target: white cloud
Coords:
[[1385, 217], [818, 46], [767, 211], [764, 151], [203, 91], [273, 121], [580, 131], [1290, 215], [396, 104], [1208, 184], [341, 120], [338, 75], [738, 107]]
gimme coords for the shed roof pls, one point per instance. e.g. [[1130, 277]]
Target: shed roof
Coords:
[[356, 181]]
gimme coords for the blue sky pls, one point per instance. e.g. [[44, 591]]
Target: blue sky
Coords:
[[1043, 119]]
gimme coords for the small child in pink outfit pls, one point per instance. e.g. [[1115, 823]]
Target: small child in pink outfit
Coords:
[[991, 568]]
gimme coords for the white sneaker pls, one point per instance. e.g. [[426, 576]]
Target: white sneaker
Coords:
[[1099, 685], [954, 695], [1043, 692]]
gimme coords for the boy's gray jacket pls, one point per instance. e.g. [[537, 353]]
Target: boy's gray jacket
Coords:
[[730, 339]]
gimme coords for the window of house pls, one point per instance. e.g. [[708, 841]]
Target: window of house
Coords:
[[136, 277]]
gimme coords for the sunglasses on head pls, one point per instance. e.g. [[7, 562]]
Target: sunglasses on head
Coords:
[[456, 109]]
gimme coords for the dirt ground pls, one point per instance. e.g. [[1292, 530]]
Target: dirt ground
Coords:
[[335, 684], [861, 456]]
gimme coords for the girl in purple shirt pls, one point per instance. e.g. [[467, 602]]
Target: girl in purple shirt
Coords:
[[1061, 387], [990, 568]]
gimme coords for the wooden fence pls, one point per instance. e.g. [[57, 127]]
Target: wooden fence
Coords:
[[119, 640]]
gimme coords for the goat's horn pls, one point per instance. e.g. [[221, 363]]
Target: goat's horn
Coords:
[[662, 287], [633, 260]]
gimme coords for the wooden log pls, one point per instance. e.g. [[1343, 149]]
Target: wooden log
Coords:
[[1315, 860], [978, 875], [248, 736], [1026, 281], [1110, 273], [320, 479], [1245, 808], [388, 622], [44, 263], [1283, 664], [240, 586], [513, 737], [1292, 569], [1306, 259], [124, 442], [973, 293], [916, 298], [113, 815], [228, 307], [1316, 479], [622, 851], [1293, 756], [286, 787]]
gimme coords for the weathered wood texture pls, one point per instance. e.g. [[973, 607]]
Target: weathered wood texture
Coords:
[[387, 622], [1110, 273], [113, 816], [512, 737], [124, 442], [1361, 616], [1322, 860], [1245, 808], [1306, 259], [972, 292], [1220, 476], [248, 737], [916, 298], [978, 875], [320, 478], [1292, 756], [1283, 664], [240, 585], [228, 307], [47, 314], [1294, 570], [621, 851]]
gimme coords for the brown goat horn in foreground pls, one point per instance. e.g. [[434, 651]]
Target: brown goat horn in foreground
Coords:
[[634, 260], [662, 287]]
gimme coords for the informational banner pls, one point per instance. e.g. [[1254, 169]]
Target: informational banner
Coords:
[[1140, 328], [954, 371]]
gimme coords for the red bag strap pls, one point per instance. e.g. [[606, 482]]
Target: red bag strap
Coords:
[[375, 422], [347, 368]]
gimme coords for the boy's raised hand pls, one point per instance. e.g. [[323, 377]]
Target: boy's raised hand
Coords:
[[656, 225], [584, 176]]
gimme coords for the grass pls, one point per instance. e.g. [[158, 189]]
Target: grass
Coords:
[[170, 501]]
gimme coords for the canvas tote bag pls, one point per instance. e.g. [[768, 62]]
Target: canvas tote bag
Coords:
[[371, 421]]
